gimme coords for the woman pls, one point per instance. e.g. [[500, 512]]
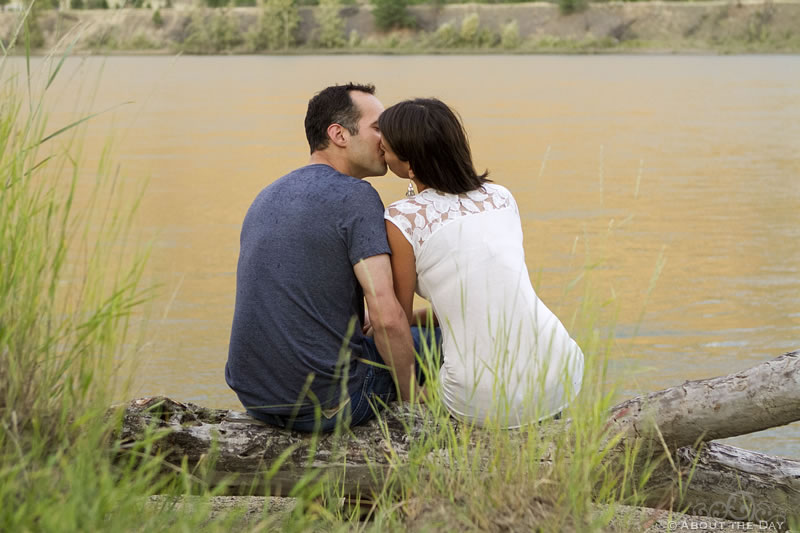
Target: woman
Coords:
[[458, 243]]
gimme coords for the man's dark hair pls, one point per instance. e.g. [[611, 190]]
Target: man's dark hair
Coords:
[[427, 134], [333, 105]]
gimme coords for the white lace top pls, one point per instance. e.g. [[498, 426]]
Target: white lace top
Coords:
[[506, 355], [429, 211]]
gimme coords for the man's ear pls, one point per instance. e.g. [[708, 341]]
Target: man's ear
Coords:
[[338, 135]]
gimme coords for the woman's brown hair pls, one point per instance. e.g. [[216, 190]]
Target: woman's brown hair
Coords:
[[427, 134]]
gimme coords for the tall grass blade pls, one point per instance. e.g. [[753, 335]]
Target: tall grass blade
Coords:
[[77, 123], [64, 56]]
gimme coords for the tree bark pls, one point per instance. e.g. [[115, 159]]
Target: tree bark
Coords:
[[733, 483]]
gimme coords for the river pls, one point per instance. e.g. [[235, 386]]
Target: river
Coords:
[[669, 184]]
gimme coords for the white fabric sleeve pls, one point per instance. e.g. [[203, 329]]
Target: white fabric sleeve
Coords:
[[400, 220]]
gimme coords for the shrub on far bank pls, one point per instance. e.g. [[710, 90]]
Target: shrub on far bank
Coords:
[[445, 36], [509, 35], [158, 20], [211, 33], [330, 33], [469, 35], [354, 39], [102, 39], [567, 7], [141, 41], [469, 28], [276, 26], [32, 30], [95, 4], [392, 14]]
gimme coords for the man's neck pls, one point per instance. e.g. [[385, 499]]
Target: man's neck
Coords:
[[326, 158]]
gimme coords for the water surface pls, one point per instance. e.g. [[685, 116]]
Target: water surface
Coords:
[[628, 164]]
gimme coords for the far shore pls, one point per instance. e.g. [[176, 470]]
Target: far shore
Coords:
[[691, 28]]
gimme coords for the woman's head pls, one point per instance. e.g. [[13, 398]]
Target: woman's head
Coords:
[[429, 137]]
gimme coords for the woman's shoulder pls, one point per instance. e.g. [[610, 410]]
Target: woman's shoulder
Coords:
[[491, 196], [404, 206], [496, 188]]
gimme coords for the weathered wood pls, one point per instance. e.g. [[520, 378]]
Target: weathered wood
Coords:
[[246, 448], [763, 396], [722, 481]]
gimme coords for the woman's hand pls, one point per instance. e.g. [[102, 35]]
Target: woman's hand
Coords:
[[366, 328]]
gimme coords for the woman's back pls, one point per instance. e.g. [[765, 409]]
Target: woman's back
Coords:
[[506, 356]]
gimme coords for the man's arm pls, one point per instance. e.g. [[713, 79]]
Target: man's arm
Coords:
[[390, 323]]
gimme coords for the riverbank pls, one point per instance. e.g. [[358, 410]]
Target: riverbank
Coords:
[[648, 27]]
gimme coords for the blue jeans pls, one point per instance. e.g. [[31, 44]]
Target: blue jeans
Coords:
[[376, 391]]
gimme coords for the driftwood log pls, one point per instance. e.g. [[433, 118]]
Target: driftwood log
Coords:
[[723, 481]]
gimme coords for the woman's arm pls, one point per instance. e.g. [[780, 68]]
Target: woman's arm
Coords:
[[404, 277], [404, 270]]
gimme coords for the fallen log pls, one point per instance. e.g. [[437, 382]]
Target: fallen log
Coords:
[[768, 395], [726, 482], [245, 448], [764, 396]]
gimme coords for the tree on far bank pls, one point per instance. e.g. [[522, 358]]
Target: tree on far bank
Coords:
[[331, 25], [32, 31], [276, 26], [390, 14], [158, 20], [568, 7]]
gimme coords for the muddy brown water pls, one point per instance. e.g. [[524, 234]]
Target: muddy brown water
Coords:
[[687, 165]]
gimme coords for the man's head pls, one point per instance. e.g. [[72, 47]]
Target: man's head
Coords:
[[342, 124]]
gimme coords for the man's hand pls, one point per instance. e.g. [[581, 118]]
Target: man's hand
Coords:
[[388, 320]]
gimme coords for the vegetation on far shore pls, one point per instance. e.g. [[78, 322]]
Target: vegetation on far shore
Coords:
[[275, 28]]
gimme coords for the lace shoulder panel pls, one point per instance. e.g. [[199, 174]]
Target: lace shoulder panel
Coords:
[[423, 215]]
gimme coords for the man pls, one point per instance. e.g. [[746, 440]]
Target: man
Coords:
[[313, 247]]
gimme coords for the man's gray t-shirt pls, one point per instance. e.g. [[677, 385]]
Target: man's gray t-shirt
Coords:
[[296, 291]]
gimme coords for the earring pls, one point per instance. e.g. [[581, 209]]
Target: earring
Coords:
[[410, 192]]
